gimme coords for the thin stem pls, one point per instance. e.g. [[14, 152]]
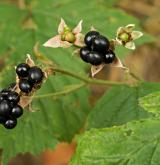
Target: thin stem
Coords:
[[70, 89], [61, 93], [135, 76], [88, 80], [80, 77]]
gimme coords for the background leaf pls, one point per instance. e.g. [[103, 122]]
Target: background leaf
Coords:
[[134, 143], [120, 105], [151, 102]]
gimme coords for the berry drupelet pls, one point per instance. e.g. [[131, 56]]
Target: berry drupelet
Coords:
[[95, 58], [89, 37], [25, 86], [22, 70], [97, 49], [35, 75], [84, 52]]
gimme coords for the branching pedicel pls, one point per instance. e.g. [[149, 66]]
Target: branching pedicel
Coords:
[[92, 48]]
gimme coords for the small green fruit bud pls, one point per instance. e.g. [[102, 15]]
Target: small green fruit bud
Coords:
[[70, 37], [67, 29], [124, 37]]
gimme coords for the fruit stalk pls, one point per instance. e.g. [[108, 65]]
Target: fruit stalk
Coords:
[[61, 93], [89, 80]]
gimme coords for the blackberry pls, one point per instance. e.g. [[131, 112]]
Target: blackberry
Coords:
[[2, 119], [35, 75], [25, 86], [109, 57], [10, 123], [22, 70], [89, 37], [4, 93], [17, 111], [5, 108], [100, 44], [84, 53], [13, 97], [95, 58]]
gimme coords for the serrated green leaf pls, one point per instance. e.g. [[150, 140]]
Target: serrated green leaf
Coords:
[[136, 143], [151, 102], [120, 105]]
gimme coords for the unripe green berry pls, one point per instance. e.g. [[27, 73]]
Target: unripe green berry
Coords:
[[67, 29], [124, 37], [70, 37]]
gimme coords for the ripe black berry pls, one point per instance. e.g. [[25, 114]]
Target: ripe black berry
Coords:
[[5, 108], [22, 70], [11, 123], [95, 58], [100, 44], [4, 93], [109, 57], [13, 97], [84, 53], [2, 119], [25, 86], [35, 75], [17, 111], [89, 37]]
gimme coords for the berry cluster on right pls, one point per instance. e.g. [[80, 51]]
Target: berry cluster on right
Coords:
[[97, 49], [30, 77]]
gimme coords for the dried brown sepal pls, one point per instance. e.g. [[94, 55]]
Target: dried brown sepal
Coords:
[[93, 28], [96, 69], [117, 63], [112, 44], [40, 56], [29, 60], [76, 52]]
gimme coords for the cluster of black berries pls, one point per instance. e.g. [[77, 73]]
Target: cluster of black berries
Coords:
[[97, 49], [30, 77], [10, 110]]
